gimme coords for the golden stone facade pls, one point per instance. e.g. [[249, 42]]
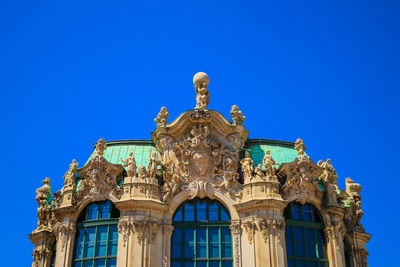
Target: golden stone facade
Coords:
[[201, 155]]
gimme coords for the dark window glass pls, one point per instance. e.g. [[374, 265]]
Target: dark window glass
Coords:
[[305, 240], [201, 235], [97, 236]]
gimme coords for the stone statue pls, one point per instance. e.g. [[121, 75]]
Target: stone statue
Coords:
[[259, 172], [237, 115], [247, 167], [172, 181], [43, 192], [44, 209], [152, 166], [162, 117], [69, 176], [142, 173], [329, 177], [300, 147], [269, 164], [354, 201], [130, 162], [101, 147], [201, 81]]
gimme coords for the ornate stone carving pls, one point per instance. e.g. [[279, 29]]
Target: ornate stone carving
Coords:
[[329, 178], [142, 173], [153, 229], [130, 162], [335, 233], [70, 175], [300, 175], [270, 227], [43, 192], [153, 165], [100, 147], [201, 81], [353, 212], [65, 232], [263, 225], [247, 167], [300, 147], [44, 211], [269, 164], [259, 173], [199, 163], [237, 116], [125, 228], [39, 255], [236, 231], [249, 227], [139, 229], [99, 179], [162, 117]]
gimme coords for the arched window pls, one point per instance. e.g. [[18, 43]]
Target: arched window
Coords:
[[97, 236], [201, 236], [305, 239]]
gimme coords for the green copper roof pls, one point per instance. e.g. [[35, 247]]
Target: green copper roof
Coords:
[[282, 152], [117, 150]]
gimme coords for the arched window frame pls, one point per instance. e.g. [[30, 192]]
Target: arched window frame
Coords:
[[304, 224], [96, 240], [191, 215]]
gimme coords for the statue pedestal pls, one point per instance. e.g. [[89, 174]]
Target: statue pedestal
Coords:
[[139, 188]]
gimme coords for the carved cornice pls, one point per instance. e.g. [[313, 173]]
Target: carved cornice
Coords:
[[265, 204], [44, 236], [188, 118], [130, 205]]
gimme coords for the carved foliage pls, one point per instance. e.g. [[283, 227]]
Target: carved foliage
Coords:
[[200, 163], [65, 233], [301, 175], [39, 255], [99, 179]]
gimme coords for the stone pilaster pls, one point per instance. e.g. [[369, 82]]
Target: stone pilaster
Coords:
[[140, 235], [263, 232], [43, 241], [358, 251], [335, 245], [236, 232], [65, 234], [168, 230]]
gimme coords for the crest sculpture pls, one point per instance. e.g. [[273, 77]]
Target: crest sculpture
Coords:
[[200, 149], [300, 176], [99, 177]]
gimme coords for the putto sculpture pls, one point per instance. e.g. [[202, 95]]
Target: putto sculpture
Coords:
[[162, 117], [201, 81], [237, 115], [329, 178], [70, 175]]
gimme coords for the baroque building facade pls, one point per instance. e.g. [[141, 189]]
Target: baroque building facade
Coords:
[[200, 193]]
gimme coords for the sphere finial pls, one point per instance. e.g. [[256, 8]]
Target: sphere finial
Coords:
[[200, 80]]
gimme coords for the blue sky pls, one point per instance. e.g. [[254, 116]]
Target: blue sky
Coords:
[[74, 71]]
